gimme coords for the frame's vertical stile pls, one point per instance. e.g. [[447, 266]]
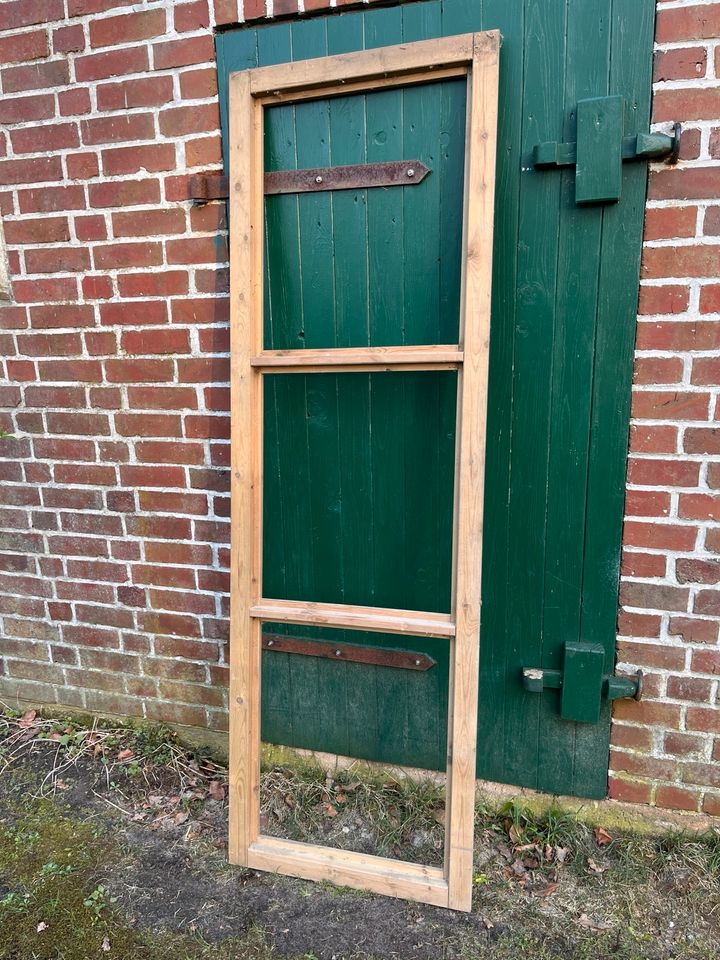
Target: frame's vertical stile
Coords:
[[477, 56], [246, 453], [470, 467]]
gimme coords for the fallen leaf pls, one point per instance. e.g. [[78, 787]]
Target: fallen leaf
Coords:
[[514, 834], [548, 852], [180, 818], [289, 800], [547, 891], [105, 945], [41, 926], [216, 790], [439, 815], [340, 798], [27, 719], [592, 923], [125, 755], [561, 854], [329, 809], [602, 837], [594, 867], [488, 924]]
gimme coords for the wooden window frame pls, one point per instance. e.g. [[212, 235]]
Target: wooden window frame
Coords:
[[474, 56]]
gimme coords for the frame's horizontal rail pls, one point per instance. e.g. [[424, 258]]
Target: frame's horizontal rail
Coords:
[[381, 62], [346, 88], [430, 356], [394, 878], [374, 619]]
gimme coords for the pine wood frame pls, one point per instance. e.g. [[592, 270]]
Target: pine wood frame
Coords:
[[474, 56]]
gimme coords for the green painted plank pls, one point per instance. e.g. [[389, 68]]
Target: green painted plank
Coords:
[[573, 337]]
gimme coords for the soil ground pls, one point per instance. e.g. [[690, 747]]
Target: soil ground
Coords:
[[113, 844]]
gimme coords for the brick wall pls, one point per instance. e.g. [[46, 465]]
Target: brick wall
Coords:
[[113, 489], [666, 750]]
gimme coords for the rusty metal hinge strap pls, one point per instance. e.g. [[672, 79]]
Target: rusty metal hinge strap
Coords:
[[349, 652], [397, 173]]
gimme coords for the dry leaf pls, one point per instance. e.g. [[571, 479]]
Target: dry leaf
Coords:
[[180, 818], [125, 755], [216, 790], [105, 945], [594, 867], [329, 809], [591, 923], [514, 834], [41, 926], [27, 719], [602, 837], [439, 816], [340, 798], [561, 854], [547, 891]]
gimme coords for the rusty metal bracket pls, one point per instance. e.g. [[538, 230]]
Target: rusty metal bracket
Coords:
[[357, 176], [349, 652], [202, 187]]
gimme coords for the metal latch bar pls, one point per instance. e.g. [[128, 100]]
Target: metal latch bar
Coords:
[[349, 652]]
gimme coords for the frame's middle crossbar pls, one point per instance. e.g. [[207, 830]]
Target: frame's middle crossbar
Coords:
[[421, 357], [375, 619]]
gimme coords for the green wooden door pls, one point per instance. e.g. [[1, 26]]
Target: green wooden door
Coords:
[[359, 467]]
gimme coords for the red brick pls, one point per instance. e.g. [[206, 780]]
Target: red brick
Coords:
[[706, 370], [127, 312], [39, 290], [710, 298], [17, 47], [693, 570], [654, 596], [162, 398], [149, 223], [39, 230], [97, 288], [74, 102], [203, 370], [711, 225], [70, 371], [136, 475], [670, 222], [685, 63], [647, 565], [116, 255], [26, 109], [82, 166], [30, 170], [689, 688], [115, 63], [174, 624], [678, 336], [48, 137], [36, 76], [208, 216], [648, 712], [706, 661], [69, 39], [88, 424], [126, 193], [191, 16], [699, 506], [226, 11], [154, 341], [163, 551], [686, 261], [101, 342], [674, 473], [139, 371], [119, 127], [163, 502], [180, 121], [715, 133], [656, 370], [677, 798], [143, 92], [708, 601], [684, 183], [647, 503], [175, 669], [690, 143], [703, 719], [24, 13], [183, 53], [182, 577], [198, 85], [693, 630], [697, 22], [702, 440], [632, 738], [629, 791], [49, 344], [197, 250], [691, 103], [151, 158], [201, 310], [127, 28], [164, 284], [148, 425], [181, 714], [158, 452], [217, 398], [48, 199], [90, 228], [712, 539], [682, 744], [57, 260]]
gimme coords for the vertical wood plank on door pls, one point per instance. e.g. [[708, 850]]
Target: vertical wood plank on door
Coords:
[[472, 416], [246, 474], [573, 340]]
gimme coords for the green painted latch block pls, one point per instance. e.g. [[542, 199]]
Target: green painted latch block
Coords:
[[598, 165], [582, 682]]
